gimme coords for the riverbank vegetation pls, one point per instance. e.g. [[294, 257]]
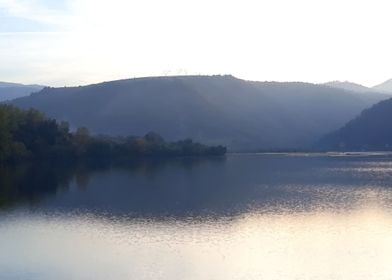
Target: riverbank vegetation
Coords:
[[30, 135]]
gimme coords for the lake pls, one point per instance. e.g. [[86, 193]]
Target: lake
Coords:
[[256, 216]]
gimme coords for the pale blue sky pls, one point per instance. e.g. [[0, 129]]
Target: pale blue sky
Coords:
[[72, 42]]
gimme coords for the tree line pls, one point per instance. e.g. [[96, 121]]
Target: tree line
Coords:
[[30, 135]]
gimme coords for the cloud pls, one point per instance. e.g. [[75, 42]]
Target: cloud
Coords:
[[37, 11]]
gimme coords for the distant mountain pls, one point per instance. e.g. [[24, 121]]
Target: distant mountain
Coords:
[[384, 87], [371, 130], [349, 86], [10, 91], [242, 115]]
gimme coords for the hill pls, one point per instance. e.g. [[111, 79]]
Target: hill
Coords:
[[242, 115], [10, 91], [384, 87], [349, 86], [372, 130]]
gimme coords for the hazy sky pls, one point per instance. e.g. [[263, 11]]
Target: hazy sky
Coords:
[[71, 42]]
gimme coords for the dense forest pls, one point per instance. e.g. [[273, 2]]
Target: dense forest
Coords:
[[30, 135]]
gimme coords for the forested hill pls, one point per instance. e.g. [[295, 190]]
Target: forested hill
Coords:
[[372, 130], [10, 91], [239, 114]]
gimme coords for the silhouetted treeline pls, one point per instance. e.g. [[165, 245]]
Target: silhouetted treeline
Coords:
[[30, 135]]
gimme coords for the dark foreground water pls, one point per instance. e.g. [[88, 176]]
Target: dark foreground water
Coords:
[[240, 217]]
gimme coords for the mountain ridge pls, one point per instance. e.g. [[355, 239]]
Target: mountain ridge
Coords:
[[10, 91], [347, 85], [385, 86], [240, 114]]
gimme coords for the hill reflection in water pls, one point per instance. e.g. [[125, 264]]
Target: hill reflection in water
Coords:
[[221, 186]]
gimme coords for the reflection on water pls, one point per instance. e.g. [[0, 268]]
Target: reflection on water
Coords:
[[239, 217]]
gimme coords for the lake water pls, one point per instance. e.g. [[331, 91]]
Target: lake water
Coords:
[[239, 217]]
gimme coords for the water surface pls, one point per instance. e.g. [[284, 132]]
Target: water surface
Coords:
[[238, 217]]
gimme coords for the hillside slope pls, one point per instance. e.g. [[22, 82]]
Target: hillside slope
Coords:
[[372, 130], [10, 91], [349, 86], [384, 87], [242, 115]]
